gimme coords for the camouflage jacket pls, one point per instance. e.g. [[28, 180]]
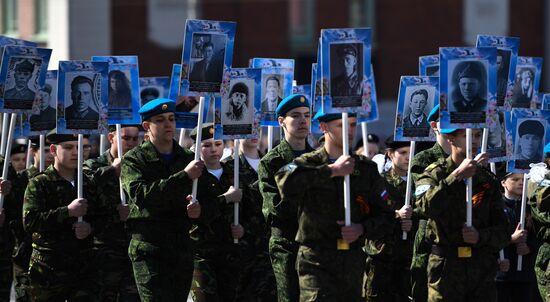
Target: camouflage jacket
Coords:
[[539, 202], [275, 159], [425, 158], [319, 204], [46, 215], [441, 197], [256, 229], [104, 175], [157, 189]]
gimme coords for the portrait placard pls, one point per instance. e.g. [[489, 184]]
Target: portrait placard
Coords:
[[82, 97], [207, 52], [428, 66], [369, 89], [153, 88], [346, 64], [277, 77], [507, 56], [545, 101], [467, 84], [529, 135], [417, 97], [124, 98], [22, 74], [15, 42], [499, 146], [238, 109], [42, 119], [527, 82]]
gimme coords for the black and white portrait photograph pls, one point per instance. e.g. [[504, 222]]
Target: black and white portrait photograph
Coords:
[[524, 87], [120, 89], [272, 91], [82, 112], [496, 141], [346, 74], [529, 143], [148, 94], [503, 70], [46, 98], [187, 104], [469, 86], [207, 61], [238, 108], [21, 82], [419, 102]]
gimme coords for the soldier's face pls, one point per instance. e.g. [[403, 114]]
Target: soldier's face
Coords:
[[530, 145], [18, 161], [373, 149], [22, 77], [238, 99], [161, 127], [333, 131], [272, 89], [48, 157], [513, 184], [296, 122], [418, 103], [212, 151], [458, 141], [350, 62], [86, 148], [469, 88], [400, 158], [129, 138], [83, 96], [66, 154]]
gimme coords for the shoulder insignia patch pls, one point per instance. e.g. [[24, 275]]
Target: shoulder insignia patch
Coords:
[[421, 190]]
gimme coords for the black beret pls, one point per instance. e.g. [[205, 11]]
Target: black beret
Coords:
[[18, 148], [393, 144], [207, 132]]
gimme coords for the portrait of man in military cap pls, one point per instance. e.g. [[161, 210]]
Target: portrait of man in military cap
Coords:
[[236, 109], [529, 143], [45, 119], [346, 61], [81, 113], [22, 73], [524, 88], [469, 87]]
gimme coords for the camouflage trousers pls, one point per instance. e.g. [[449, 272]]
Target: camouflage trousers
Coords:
[[217, 273], [542, 271], [116, 275], [387, 279], [462, 279], [163, 266], [62, 276], [283, 260], [330, 275], [257, 283], [421, 252]]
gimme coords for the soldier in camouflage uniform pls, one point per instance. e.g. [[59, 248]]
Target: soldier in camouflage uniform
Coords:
[[462, 263], [330, 262], [294, 118], [61, 262], [23, 240], [8, 215], [387, 276], [115, 268], [422, 245], [217, 258], [257, 281], [157, 177]]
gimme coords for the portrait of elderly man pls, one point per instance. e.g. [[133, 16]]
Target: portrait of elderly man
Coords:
[[272, 94], [237, 109], [417, 104], [45, 119], [469, 80], [22, 74], [80, 109], [530, 143], [523, 88], [348, 83]]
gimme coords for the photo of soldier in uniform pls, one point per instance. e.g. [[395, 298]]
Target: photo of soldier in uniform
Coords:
[[20, 91], [416, 110], [120, 91], [529, 144], [467, 86], [46, 118], [273, 89], [207, 62], [82, 113], [236, 109], [524, 88], [346, 73]]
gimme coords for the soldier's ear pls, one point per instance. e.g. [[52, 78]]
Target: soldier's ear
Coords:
[[53, 149], [145, 125]]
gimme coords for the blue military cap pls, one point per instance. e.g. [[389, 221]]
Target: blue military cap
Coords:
[[434, 114], [447, 130], [547, 149], [328, 117], [291, 102], [157, 106]]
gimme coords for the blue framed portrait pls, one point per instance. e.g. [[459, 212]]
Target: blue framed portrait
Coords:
[[22, 74], [467, 84], [82, 97], [428, 66], [207, 52], [529, 134], [237, 111], [123, 94], [499, 140], [346, 65], [545, 97], [151, 88], [43, 118], [4, 41], [527, 82], [507, 57], [371, 112], [417, 97]]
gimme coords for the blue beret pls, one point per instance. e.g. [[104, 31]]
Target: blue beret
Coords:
[[434, 114], [291, 102], [157, 106], [547, 148], [328, 117], [447, 130]]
